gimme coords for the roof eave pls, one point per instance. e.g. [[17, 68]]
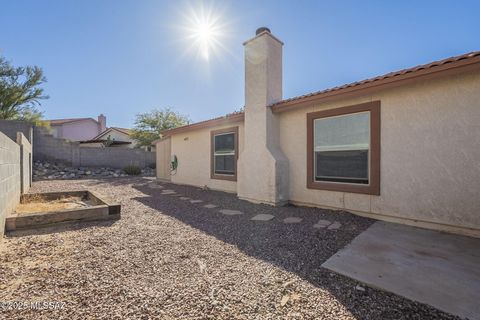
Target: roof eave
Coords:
[[368, 87]]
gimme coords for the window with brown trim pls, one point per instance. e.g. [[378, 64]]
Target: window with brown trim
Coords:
[[224, 154], [343, 149]]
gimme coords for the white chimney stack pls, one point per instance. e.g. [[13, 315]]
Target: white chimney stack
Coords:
[[262, 166]]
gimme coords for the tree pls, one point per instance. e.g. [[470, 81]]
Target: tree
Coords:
[[20, 92], [149, 125]]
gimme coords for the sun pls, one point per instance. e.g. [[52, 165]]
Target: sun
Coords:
[[205, 30]]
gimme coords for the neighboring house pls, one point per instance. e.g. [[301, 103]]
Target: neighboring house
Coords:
[[111, 137], [78, 129], [402, 147]]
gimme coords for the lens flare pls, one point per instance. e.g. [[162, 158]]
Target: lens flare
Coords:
[[205, 30]]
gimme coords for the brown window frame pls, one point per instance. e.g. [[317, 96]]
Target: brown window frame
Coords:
[[213, 133], [373, 187]]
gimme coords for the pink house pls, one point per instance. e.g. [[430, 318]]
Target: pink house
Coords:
[[78, 129]]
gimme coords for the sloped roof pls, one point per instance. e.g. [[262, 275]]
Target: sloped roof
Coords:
[[229, 118], [432, 68], [54, 122], [121, 130], [429, 68]]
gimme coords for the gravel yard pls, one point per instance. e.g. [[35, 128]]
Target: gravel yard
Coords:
[[170, 257]]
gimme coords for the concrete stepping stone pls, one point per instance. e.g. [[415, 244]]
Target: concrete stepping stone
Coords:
[[292, 220], [168, 192], [334, 226], [196, 201], [209, 206], [155, 186], [322, 224], [229, 212], [184, 198], [262, 217]]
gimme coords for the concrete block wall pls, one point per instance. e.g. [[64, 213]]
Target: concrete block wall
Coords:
[[26, 156], [10, 185], [48, 148], [11, 127], [115, 157]]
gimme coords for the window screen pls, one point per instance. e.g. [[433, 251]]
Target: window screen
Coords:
[[224, 154], [341, 148]]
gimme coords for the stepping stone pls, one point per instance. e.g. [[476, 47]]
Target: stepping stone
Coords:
[[229, 212], [155, 186], [196, 201], [322, 224], [210, 206], [334, 226], [292, 220], [184, 198], [168, 192], [262, 217]]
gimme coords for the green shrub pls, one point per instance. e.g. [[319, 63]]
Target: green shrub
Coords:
[[132, 170]]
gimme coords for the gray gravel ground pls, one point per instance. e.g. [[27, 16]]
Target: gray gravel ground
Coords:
[[173, 259]]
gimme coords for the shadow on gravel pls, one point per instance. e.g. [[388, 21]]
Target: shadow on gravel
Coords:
[[298, 248], [59, 228]]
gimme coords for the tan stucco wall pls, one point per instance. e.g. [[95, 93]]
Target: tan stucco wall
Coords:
[[163, 154], [430, 154], [193, 152]]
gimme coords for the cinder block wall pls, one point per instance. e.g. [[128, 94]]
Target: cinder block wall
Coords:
[[25, 162], [47, 147], [11, 127], [10, 185]]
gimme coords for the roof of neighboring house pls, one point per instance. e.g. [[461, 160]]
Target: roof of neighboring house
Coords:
[[57, 122], [121, 130], [435, 68], [431, 68], [114, 142]]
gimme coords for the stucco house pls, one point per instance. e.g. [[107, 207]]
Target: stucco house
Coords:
[[78, 129], [115, 137], [402, 147]]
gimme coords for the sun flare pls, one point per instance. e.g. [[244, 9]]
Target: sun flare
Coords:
[[205, 30]]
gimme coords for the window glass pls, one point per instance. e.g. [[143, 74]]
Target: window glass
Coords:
[[341, 148], [224, 155], [225, 143]]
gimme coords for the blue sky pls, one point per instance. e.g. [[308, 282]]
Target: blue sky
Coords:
[[124, 57]]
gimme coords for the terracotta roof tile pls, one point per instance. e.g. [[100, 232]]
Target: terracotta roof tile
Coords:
[[389, 75]]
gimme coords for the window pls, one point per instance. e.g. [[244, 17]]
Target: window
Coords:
[[344, 149], [224, 154]]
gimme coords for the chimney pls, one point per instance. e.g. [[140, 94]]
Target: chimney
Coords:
[[102, 123], [262, 166]]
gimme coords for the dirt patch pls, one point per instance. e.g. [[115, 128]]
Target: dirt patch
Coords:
[[40, 204]]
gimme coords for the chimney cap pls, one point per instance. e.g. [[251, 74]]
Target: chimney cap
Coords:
[[262, 29]]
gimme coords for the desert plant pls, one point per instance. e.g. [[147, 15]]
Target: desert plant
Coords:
[[20, 92], [149, 125], [132, 170]]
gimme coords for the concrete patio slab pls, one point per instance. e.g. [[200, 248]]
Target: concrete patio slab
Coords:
[[209, 206], [435, 268], [262, 217], [292, 220], [229, 212]]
